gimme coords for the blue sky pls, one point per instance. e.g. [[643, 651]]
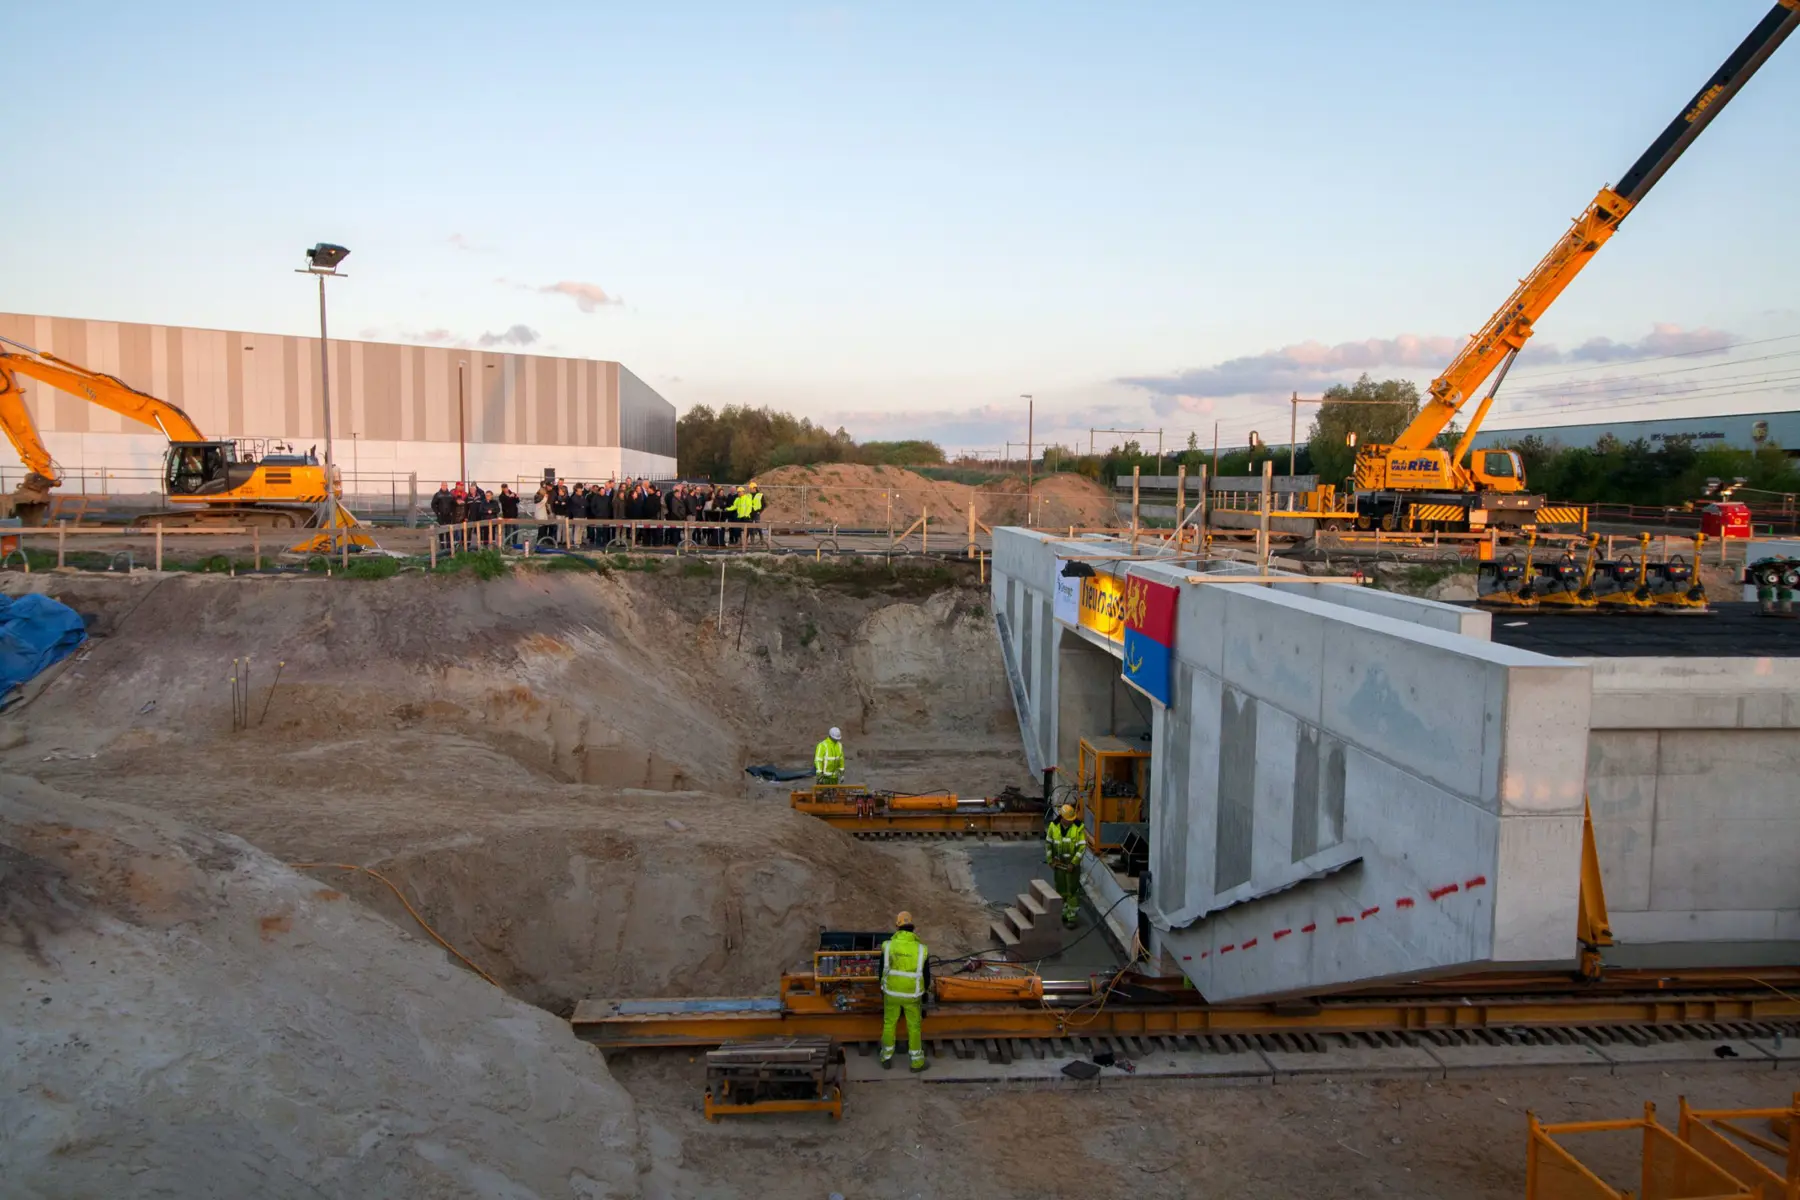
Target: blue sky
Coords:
[[899, 217]]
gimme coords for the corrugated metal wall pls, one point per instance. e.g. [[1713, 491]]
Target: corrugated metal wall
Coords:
[[267, 385]]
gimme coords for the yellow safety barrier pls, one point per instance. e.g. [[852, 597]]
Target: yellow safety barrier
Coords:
[[1670, 1169], [1757, 1160]]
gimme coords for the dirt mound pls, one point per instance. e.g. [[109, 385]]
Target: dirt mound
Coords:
[[186, 1016], [860, 497], [550, 767]]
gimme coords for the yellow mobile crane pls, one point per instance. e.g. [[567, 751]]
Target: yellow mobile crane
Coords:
[[208, 481], [1412, 484]]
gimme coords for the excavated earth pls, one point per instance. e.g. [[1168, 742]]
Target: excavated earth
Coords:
[[549, 768]]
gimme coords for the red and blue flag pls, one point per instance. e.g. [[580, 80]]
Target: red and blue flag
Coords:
[[1149, 649]]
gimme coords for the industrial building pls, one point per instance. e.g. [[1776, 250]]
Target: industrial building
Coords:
[[1346, 786], [394, 407], [1738, 431]]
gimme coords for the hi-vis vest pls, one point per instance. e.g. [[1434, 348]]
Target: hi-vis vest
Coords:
[[828, 759], [903, 966], [1065, 842]]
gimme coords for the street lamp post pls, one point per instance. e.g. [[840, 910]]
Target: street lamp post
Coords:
[[1030, 417], [462, 452], [322, 260]]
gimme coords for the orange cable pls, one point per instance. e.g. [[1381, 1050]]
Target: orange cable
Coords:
[[423, 924]]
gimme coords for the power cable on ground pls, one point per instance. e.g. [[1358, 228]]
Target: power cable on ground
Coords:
[[423, 924]]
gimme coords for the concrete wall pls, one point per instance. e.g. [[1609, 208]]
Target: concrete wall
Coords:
[[1325, 769], [394, 407], [1325, 774], [1694, 781]]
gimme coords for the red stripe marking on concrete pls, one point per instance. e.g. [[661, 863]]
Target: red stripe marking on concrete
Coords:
[[1369, 912], [1281, 933], [1228, 949], [1346, 920], [1404, 902], [1478, 881], [1249, 943], [1308, 928], [1440, 893]]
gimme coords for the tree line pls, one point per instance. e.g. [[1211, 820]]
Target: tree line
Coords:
[[739, 442]]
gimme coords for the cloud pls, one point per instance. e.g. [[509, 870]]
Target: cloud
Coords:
[[588, 297], [518, 335], [1663, 339], [1302, 366], [1308, 367]]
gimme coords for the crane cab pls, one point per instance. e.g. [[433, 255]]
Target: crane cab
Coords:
[[1497, 470]]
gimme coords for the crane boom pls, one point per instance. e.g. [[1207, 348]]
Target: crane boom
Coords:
[[1508, 329]]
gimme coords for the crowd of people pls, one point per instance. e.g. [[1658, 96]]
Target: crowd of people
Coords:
[[723, 509]]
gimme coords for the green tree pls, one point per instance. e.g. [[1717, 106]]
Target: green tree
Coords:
[[1375, 410]]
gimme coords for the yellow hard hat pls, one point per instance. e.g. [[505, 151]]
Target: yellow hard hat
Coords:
[[1068, 812], [904, 918]]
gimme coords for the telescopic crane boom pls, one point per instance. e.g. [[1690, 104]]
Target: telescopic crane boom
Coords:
[[1412, 483]]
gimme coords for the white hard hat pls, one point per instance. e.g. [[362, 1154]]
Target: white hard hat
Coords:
[[837, 735]]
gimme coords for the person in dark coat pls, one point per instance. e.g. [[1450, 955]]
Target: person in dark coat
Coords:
[[597, 509]]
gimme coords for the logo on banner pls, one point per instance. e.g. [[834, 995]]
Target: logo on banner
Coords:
[[1103, 606], [1149, 650]]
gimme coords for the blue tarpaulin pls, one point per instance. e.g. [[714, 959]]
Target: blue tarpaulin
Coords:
[[35, 631]]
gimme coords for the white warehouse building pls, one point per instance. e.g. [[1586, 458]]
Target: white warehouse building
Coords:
[[394, 407]]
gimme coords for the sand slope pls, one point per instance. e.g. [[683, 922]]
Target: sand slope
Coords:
[[858, 497], [186, 1017]]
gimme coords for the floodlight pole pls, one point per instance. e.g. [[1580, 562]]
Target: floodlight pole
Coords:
[[328, 508]]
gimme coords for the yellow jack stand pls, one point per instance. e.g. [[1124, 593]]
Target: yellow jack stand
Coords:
[[344, 527]]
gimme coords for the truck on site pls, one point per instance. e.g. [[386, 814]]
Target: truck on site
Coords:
[[206, 481], [1413, 484]]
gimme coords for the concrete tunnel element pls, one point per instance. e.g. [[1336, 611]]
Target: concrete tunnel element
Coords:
[[1349, 786]]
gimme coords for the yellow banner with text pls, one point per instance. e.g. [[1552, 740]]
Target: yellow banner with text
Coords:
[[1103, 606]]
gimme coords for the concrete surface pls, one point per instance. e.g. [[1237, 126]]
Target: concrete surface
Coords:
[[1694, 779]]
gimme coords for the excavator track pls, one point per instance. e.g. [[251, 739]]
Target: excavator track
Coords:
[[264, 516]]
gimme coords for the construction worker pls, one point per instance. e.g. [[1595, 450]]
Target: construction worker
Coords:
[[903, 991], [828, 757], [1065, 841]]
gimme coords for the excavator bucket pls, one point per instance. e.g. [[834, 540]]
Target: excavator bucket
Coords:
[[344, 528]]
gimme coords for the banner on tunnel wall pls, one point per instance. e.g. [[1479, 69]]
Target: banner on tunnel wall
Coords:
[[1149, 649], [1102, 605], [1067, 608]]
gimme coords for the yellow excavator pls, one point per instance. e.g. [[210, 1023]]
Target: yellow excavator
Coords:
[[1412, 484], [207, 481]]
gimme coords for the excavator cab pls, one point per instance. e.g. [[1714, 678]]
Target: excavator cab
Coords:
[[201, 468]]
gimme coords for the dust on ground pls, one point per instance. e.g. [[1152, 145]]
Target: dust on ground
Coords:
[[859, 497], [1120, 1139]]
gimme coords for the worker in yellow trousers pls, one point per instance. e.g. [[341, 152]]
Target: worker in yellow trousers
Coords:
[[1065, 842], [903, 992]]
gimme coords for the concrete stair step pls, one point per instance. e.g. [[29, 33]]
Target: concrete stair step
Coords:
[[1031, 906], [1046, 893], [1020, 923], [1003, 934]]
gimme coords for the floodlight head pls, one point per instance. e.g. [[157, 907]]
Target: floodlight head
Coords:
[[1350, 439], [325, 256]]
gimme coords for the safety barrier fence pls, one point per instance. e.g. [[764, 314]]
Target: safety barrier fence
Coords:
[[1708, 1157]]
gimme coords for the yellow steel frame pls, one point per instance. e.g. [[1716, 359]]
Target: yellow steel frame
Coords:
[[1098, 809], [832, 1103], [836, 805], [1713, 1132], [1478, 1004]]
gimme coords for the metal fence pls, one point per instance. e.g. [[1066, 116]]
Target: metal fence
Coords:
[[1671, 1165]]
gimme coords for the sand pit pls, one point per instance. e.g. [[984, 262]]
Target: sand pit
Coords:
[[858, 497], [549, 766]]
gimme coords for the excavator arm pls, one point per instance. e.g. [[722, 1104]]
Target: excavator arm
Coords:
[[108, 391], [42, 471], [1507, 331]]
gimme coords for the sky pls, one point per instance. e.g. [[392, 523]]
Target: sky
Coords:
[[901, 218]]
